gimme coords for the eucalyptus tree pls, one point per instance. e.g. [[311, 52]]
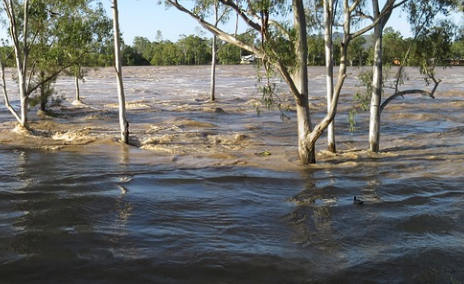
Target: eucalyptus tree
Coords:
[[283, 46], [329, 18], [259, 16], [219, 13], [91, 30], [42, 48], [421, 14], [123, 123]]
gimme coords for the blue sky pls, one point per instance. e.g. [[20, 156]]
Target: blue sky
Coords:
[[145, 17]]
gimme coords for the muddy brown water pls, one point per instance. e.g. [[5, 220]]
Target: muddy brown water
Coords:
[[197, 200]]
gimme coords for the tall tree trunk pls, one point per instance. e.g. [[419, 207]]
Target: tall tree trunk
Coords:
[[328, 14], [21, 54], [123, 123], [22, 68], [213, 69], [76, 84], [374, 122], [5, 92], [306, 150], [214, 54], [43, 92], [377, 80]]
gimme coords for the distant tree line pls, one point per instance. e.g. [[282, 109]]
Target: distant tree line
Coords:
[[196, 50], [188, 50], [443, 43]]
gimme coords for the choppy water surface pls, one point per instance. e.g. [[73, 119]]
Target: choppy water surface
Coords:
[[194, 202]]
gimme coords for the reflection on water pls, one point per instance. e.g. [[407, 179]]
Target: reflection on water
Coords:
[[196, 205]]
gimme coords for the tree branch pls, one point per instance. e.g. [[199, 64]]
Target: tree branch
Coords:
[[5, 93], [239, 11], [217, 31], [52, 76], [408, 92], [384, 15]]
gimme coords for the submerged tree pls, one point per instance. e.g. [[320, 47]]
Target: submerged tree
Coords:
[[44, 35], [123, 123], [374, 125], [257, 14], [219, 13], [94, 29], [421, 14], [329, 15], [284, 48]]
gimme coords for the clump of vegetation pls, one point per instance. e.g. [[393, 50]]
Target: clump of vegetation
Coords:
[[361, 98]]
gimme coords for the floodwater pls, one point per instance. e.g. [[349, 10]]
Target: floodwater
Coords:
[[198, 198]]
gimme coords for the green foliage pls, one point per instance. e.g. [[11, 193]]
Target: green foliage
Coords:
[[357, 54], [316, 53], [394, 47], [228, 54], [194, 50], [7, 55], [144, 47], [130, 57], [45, 95], [434, 45], [362, 97], [61, 35], [267, 88], [165, 53], [457, 48]]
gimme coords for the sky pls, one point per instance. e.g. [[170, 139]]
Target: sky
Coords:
[[145, 17]]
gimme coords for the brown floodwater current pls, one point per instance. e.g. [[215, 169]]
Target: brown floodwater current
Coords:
[[212, 192]]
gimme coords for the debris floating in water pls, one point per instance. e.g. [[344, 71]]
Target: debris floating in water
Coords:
[[264, 153]]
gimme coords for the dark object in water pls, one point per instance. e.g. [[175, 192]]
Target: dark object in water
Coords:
[[357, 201]]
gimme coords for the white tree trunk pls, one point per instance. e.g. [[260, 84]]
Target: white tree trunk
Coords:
[[76, 84], [123, 123], [377, 80], [328, 14], [374, 122], [21, 55], [213, 70], [306, 149]]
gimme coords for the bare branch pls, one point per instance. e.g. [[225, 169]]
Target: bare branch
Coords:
[[5, 93], [362, 15], [413, 91], [217, 31], [53, 76], [383, 17], [238, 10], [353, 7]]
